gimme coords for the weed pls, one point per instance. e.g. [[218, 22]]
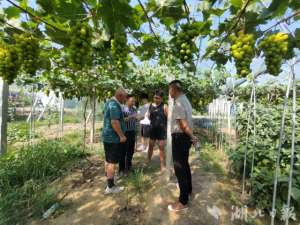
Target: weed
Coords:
[[25, 175]]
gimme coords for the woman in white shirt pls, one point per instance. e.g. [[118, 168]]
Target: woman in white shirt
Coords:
[[145, 123]]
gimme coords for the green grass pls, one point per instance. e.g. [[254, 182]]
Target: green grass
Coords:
[[73, 138], [211, 160], [25, 175], [18, 131], [72, 118], [138, 181]]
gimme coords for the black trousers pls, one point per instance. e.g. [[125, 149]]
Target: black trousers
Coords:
[[181, 144], [127, 151]]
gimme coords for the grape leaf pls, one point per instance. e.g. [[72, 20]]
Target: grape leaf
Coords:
[[252, 19], [296, 194], [276, 8], [211, 11], [297, 38], [12, 12], [63, 10], [295, 4], [58, 36], [118, 15], [237, 3], [168, 11]]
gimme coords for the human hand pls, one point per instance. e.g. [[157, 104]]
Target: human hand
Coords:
[[194, 140], [123, 139]]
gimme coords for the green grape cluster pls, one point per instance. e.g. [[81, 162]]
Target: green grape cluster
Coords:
[[185, 45], [28, 50], [242, 50], [119, 51], [9, 63], [275, 48], [80, 53]]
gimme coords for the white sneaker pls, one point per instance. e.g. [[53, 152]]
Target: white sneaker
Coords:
[[140, 148], [113, 190]]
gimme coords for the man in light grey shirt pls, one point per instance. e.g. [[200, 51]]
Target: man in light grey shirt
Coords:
[[182, 110], [182, 139]]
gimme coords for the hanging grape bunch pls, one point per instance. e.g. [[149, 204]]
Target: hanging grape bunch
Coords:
[[275, 48], [9, 63], [80, 52], [242, 50], [28, 50], [119, 51], [185, 45]]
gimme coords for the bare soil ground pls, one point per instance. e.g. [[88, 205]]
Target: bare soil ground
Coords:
[[85, 203]]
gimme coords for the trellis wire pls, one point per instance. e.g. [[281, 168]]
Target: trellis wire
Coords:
[[254, 128], [219, 117], [61, 121], [246, 147], [293, 142], [273, 212], [31, 119]]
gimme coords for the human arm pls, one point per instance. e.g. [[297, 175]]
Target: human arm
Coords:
[[117, 128], [130, 117], [184, 126], [116, 116], [166, 110], [181, 113]]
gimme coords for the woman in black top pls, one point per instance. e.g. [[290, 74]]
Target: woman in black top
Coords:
[[157, 115]]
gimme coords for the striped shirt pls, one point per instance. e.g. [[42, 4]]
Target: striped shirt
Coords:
[[131, 123]]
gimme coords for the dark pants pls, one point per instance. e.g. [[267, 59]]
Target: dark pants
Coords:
[[181, 144], [125, 163]]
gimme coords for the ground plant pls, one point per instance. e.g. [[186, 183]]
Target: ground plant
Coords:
[[25, 175], [86, 50], [266, 145]]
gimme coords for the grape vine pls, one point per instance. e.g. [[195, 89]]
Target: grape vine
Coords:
[[28, 50], [275, 48], [80, 51], [119, 51], [185, 46], [9, 62], [242, 50]]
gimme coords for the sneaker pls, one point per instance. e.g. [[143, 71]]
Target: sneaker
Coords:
[[177, 207], [113, 190], [140, 148]]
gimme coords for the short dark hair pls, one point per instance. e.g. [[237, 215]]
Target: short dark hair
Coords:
[[159, 93], [177, 84], [130, 96], [144, 96]]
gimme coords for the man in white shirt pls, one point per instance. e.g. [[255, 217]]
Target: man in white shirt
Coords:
[[182, 139]]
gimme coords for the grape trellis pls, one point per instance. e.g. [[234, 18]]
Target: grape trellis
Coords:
[[85, 49]]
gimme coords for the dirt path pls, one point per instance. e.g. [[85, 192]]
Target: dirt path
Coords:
[[85, 203], [207, 193]]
